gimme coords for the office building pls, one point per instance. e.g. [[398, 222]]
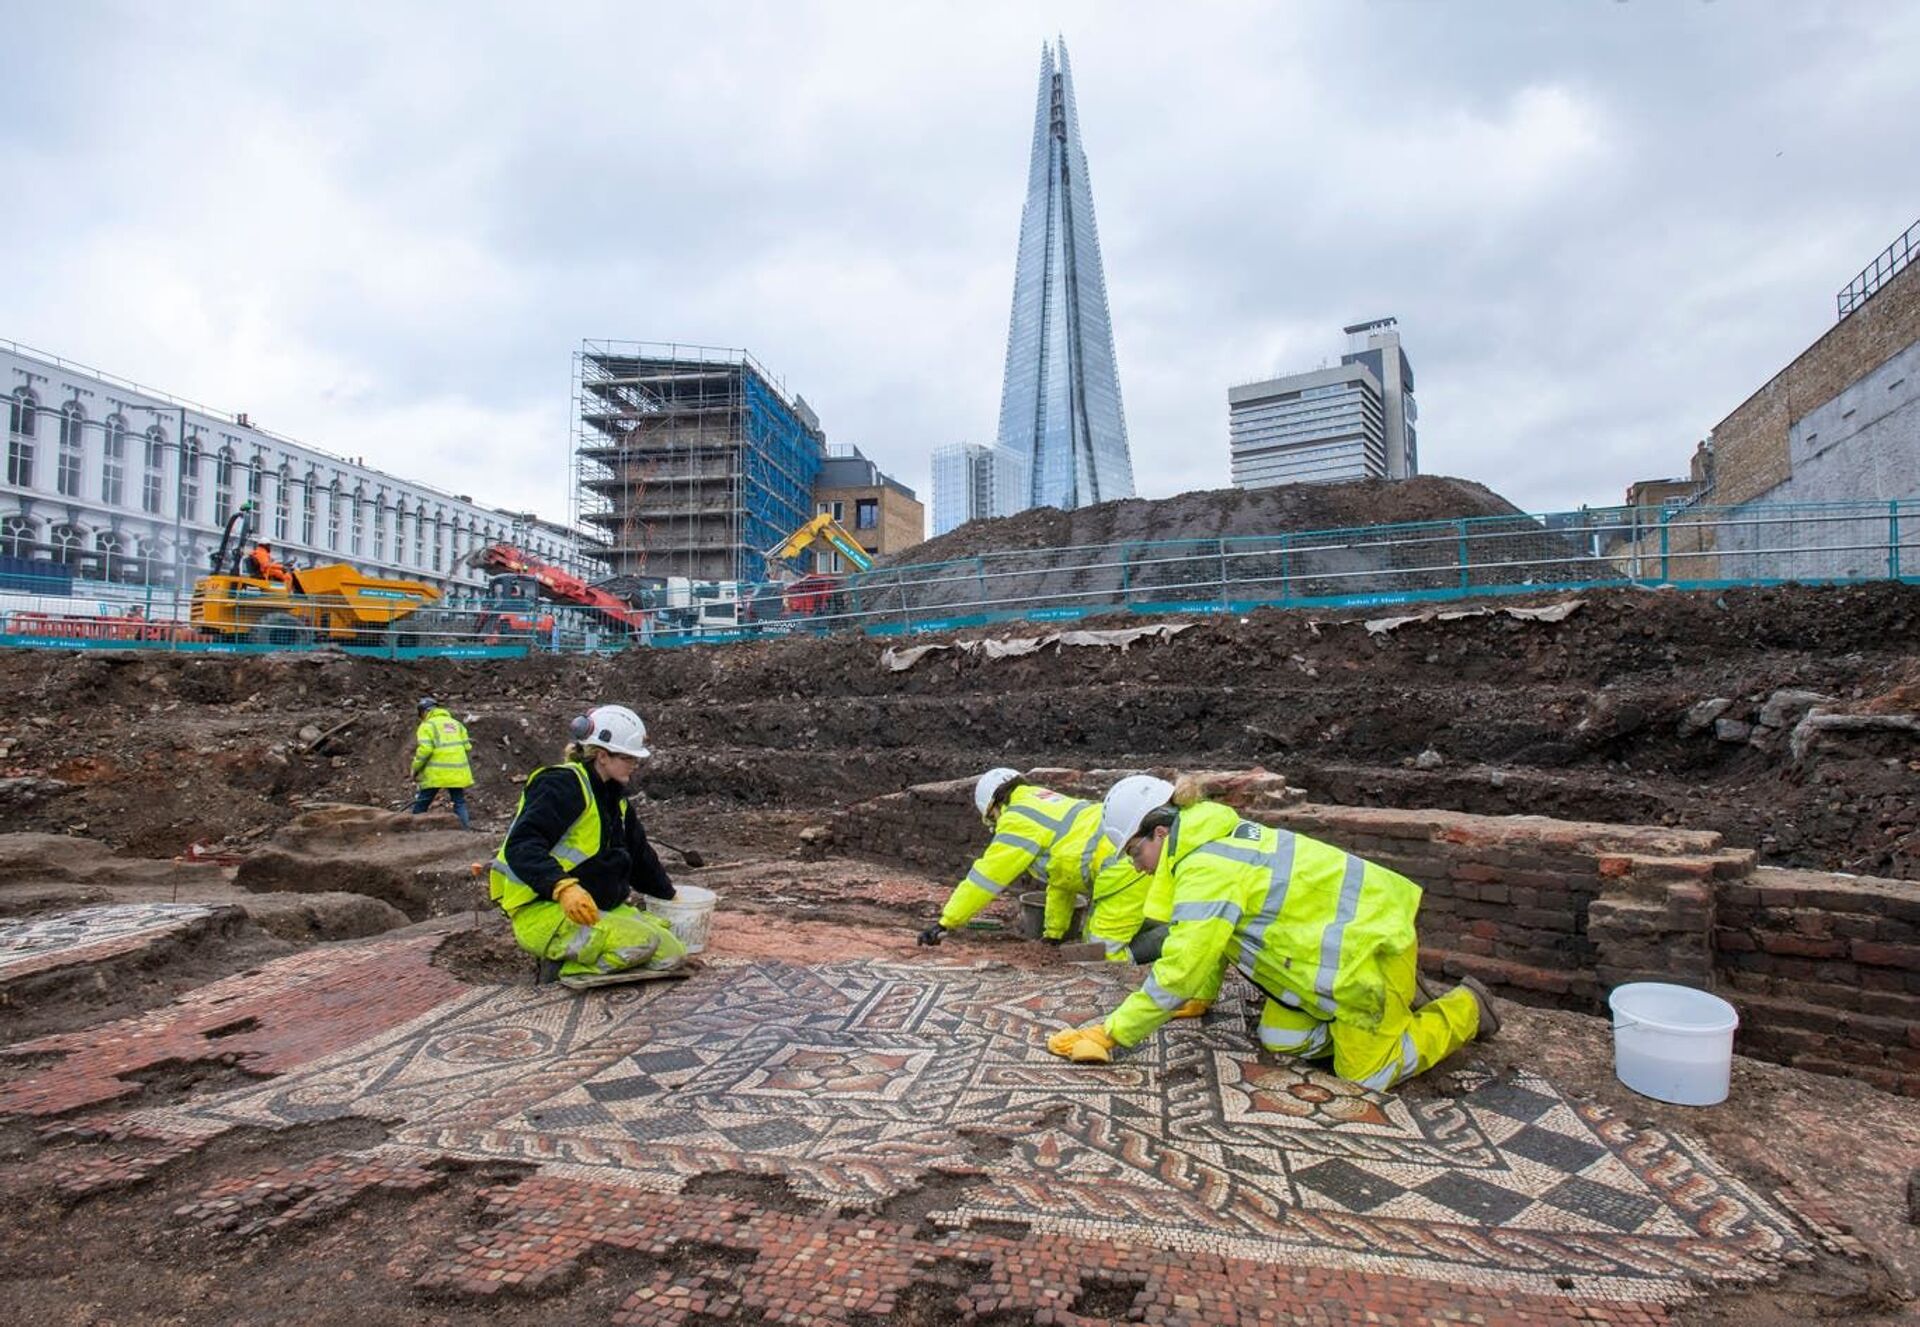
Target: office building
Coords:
[[972, 482], [1357, 420], [1060, 409]]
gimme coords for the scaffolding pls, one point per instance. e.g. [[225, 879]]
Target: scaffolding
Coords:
[[688, 460]]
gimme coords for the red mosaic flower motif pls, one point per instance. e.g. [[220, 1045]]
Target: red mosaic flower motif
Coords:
[[842, 1071], [1282, 1090], [490, 1045]]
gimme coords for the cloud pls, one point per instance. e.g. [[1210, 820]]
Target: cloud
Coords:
[[385, 232]]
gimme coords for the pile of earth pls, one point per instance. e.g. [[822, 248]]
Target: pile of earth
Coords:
[[1216, 513]]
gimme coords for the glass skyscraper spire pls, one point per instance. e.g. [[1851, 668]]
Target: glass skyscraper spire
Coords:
[[1060, 402]]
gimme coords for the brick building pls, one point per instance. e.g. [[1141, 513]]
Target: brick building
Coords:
[[883, 514]]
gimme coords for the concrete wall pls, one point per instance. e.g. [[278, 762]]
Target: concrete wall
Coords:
[[1752, 447], [1824, 969]]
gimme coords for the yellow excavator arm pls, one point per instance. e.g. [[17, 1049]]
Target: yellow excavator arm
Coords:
[[823, 529]]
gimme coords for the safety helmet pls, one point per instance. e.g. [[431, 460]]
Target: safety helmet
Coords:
[[1128, 802], [614, 728], [427, 703], [990, 783]]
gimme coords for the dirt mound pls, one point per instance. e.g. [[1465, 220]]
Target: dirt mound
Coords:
[[1214, 513]]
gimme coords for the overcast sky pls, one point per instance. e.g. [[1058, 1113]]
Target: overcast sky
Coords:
[[384, 228]]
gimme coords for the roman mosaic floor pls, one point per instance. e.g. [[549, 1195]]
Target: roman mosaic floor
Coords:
[[87, 935]]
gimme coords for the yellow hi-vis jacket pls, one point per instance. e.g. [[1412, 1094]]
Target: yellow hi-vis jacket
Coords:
[[1304, 921], [581, 841], [1054, 841], [440, 752]]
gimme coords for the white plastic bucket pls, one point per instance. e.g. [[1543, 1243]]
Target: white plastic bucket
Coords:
[[688, 913], [1673, 1043]]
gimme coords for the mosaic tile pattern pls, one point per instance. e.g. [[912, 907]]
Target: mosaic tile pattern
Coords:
[[855, 1081], [38, 944]]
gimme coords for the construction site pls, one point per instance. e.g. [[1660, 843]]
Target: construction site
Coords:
[[272, 1056]]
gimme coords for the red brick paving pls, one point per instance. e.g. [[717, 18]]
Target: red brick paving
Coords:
[[302, 1007]]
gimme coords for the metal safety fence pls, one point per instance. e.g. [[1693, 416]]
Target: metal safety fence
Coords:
[[1688, 547]]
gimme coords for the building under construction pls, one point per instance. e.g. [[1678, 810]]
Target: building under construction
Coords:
[[689, 460]]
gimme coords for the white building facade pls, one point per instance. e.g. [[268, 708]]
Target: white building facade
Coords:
[[111, 481], [972, 482]]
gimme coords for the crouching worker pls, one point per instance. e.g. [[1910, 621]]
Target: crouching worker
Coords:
[[1056, 842], [1327, 936], [574, 855]]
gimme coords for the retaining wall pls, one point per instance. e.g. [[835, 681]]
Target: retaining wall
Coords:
[[1824, 969]]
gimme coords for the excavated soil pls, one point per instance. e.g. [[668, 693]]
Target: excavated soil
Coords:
[[1586, 718]]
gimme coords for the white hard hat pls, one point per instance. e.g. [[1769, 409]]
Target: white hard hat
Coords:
[[616, 728], [1127, 804], [990, 783]]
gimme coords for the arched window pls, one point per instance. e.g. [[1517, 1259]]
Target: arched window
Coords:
[[223, 486], [151, 561], [17, 537], [400, 531], [420, 536], [114, 563], [309, 504], [380, 510], [190, 478], [282, 501], [155, 469], [333, 516], [67, 477], [359, 519], [256, 472], [439, 539], [22, 411], [113, 463], [67, 540]]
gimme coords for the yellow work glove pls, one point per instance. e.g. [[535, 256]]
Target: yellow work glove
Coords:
[[574, 900], [1088, 1045], [1192, 1009]]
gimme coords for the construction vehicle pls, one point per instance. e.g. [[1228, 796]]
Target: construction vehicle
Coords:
[[336, 602], [815, 594], [557, 584]]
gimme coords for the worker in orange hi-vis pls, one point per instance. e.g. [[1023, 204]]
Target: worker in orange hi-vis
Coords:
[[262, 564]]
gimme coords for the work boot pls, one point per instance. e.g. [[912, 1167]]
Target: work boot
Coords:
[[1193, 1009], [546, 972], [1425, 991], [1489, 1021]]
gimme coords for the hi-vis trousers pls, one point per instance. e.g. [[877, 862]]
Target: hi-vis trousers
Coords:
[[1408, 1041], [623, 938]]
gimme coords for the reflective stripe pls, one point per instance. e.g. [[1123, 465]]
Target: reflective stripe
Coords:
[[1279, 877], [1201, 912], [1037, 868], [1045, 821], [581, 937], [1114, 948], [1296, 1041], [1391, 1072], [1160, 995], [1350, 884], [1087, 873], [505, 868], [1238, 852], [569, 857], [975, 876], [1016, 841]]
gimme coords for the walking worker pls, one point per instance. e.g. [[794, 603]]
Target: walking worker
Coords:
[[1055, 841], [576, 854], [440, 746], [1329, 938]]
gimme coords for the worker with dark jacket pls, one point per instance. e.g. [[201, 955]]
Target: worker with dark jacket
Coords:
[[440, 746], [1327, 936], [575, 856], [1055, 842]]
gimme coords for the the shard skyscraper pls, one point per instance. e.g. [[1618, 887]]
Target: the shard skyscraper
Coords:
[[1060, 402]]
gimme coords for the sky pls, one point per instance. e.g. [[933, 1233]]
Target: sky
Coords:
[[384, 229]]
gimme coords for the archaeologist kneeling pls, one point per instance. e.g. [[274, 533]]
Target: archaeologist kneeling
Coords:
[[1329, 937], [1056, 842], [573, 856]]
